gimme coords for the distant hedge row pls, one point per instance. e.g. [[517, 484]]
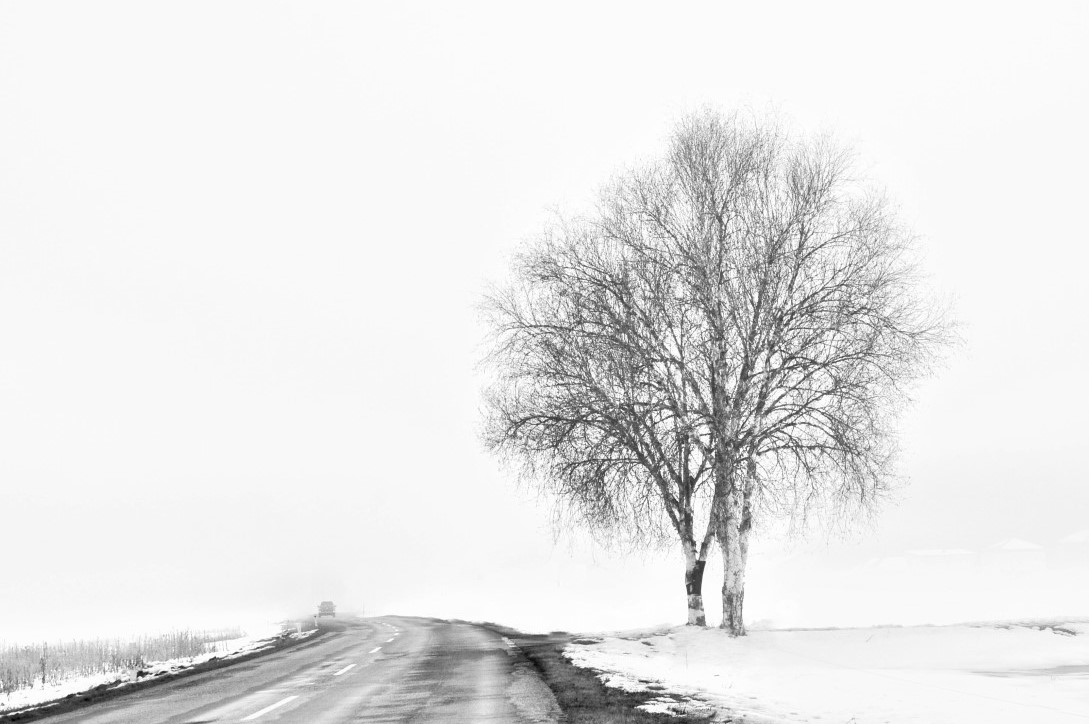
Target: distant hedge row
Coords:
[[24, 666]]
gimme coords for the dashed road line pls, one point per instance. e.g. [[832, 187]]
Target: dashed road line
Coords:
[[344, 670], [388, 640], [267, 709], [376, 648]]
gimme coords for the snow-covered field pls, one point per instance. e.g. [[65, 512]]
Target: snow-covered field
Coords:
[[994, 673], [26, 698]]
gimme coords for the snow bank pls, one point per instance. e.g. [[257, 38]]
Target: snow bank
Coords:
[[995, 673], [231, 649]]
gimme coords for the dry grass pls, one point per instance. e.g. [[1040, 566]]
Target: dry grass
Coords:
[[579, 692], [24, 666]]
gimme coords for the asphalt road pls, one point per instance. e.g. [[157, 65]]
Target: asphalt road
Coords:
[[374, 670]]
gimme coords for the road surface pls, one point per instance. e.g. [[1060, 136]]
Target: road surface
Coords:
[[375, 670]]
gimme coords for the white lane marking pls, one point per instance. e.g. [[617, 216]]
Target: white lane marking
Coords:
[[267, 709], [374, 649], [344, 670], [389, 639]]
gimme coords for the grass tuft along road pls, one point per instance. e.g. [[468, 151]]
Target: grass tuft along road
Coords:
[[579, 692]]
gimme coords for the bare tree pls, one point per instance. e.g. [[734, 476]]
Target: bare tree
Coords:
[[730, 334], [810, 320], [587, 402]]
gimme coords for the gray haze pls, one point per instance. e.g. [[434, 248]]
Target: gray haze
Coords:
[[241, 244]]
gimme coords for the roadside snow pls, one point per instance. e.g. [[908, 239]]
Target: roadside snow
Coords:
[[40, 695], [994, 673]]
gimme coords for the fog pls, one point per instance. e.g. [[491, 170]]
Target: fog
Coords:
[[241, 245]]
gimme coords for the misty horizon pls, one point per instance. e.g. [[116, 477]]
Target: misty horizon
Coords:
[[243, 249]]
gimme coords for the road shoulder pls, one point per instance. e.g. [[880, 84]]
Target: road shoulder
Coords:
[[579, 692]]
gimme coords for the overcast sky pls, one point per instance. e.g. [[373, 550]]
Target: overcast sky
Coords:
[[241, 245]]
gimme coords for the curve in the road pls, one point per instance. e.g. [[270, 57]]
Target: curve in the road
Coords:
[[392, 669]]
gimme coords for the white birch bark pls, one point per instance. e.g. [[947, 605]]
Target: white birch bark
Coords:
[[693, 583], [734, 548]]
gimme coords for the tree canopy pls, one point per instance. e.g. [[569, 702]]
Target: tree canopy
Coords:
[[729, 335]]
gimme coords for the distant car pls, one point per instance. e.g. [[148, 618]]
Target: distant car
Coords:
[[327, 608]]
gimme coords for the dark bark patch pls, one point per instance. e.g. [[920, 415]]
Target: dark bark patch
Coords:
[[693, 579]]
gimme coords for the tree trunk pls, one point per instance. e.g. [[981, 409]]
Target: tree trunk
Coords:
[[733, 541], [745, 528], [693, 584]]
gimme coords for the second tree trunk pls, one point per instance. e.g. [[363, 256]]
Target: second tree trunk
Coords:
[[732, 537]]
